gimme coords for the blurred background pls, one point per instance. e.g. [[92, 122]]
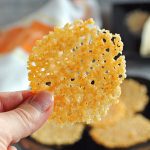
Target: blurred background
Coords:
[[22, 22]]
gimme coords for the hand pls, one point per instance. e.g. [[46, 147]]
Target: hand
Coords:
[[21, 113]]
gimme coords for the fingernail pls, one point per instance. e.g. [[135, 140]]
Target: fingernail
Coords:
[[42, 101]]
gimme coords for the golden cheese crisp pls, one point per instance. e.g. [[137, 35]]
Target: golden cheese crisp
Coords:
[[125, 133], [53, 134], [134, 95], [114, 114], [83, 65]]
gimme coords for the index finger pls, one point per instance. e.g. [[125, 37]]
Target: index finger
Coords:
[[10, 100]]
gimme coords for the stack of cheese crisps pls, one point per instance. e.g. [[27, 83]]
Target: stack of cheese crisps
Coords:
[[123, 127]]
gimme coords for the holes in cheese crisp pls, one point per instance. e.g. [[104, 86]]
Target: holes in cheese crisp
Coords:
[[42, 69], [106, 71], [113, 39], [120, 76], [72, 79], [91, 68], [48, 83], [76, 47], [104, 40], [73, 50], [90, 51], [117, 56], [93, 60], [107, 49], [92, 82], [33, 63]]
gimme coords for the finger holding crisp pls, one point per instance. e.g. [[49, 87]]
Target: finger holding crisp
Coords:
[[83, 65]]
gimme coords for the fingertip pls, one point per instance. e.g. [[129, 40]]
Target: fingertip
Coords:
[[42, 101]]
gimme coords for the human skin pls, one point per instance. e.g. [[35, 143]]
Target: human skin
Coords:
[[22, 113]]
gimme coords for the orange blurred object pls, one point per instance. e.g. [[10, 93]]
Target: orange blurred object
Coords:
[[8, 38], [24, 37], [33, 33]]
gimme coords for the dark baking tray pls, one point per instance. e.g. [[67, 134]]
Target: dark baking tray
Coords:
[[86, 142]]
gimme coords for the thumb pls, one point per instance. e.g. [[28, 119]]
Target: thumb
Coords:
[[25, 119]]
